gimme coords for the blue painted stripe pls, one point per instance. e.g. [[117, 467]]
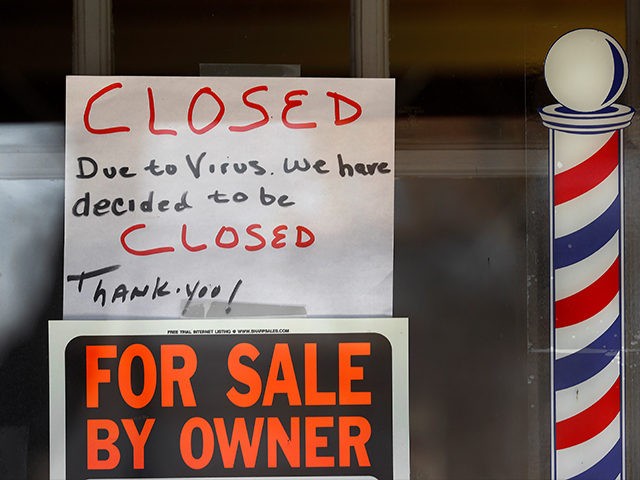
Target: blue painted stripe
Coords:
[[618, 72], [606, 469], [606, 114], [590, 128], [584, 364], [585, 242], [568, 111]]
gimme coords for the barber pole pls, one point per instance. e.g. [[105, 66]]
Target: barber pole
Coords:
[[586, 71]]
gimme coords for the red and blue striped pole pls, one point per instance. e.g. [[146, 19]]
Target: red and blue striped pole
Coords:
[[586, 71]]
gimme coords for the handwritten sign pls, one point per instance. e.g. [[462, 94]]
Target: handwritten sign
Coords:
[[254, 190], [277, 398]]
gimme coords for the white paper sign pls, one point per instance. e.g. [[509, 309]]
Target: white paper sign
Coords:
[[228, 192]]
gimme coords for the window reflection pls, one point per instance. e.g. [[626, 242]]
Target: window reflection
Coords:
[[165, 37], [473, 60], [35, 48]]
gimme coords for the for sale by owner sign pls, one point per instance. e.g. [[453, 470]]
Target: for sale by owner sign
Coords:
[[213, 399]]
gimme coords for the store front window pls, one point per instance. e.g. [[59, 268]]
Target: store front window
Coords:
[[471, 231]]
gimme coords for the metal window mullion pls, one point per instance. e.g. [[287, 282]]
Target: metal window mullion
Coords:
[[92, 46], [632, 91], [631, 250], [370, 38]]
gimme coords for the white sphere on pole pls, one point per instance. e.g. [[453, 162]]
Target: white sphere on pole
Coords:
[[586, 70]]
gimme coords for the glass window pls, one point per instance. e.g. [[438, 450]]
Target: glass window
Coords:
[[35, 47], [173, 38], [466, 59]]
